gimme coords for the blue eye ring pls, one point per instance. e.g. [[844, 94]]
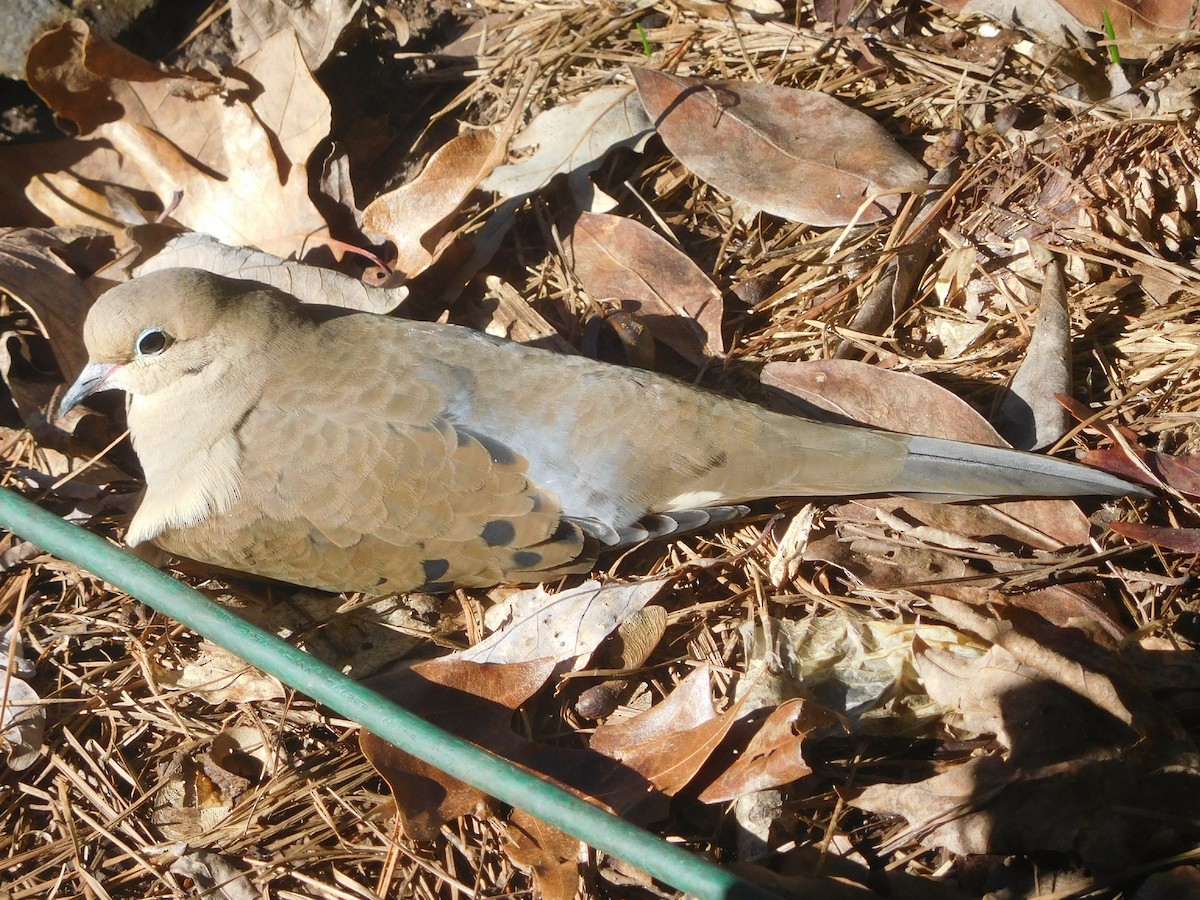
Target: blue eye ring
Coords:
[[152, 342]]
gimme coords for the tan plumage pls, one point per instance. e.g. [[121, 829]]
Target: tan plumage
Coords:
[[362, 452]]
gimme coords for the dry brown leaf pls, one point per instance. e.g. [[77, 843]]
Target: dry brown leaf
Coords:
[[802, 155], [669, 743], [897, 401], [32, 175], [476, 702], [622, 260], [287, 101], [1146, 20], [1179, 472], [410, 215], [219, 676], [1137, 24], [1096, 805], [1029, 416], [997, 694], [472, 700], [1098, 675], [774, 755], [215, 142], [1181, 540], [573, 138], [550, 855]]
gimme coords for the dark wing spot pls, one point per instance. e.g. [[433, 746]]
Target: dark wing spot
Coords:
[[717, 460], [527, 559], [435, 568], [499, 533], [437, 587], [501, 454], [566, 533]]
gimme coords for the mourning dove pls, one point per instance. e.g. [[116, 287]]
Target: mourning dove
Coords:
[[358, 452]]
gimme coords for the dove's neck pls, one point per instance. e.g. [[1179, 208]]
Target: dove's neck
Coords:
[[191, 456]]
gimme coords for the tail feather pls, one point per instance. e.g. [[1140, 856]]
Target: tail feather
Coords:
[[958, 471]]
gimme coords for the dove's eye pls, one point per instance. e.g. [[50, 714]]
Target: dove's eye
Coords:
[[152, 342]]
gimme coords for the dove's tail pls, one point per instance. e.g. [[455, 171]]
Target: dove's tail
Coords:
[[951, 470], [800, 457]]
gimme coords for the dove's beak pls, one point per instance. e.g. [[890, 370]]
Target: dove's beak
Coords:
[[90, 380]]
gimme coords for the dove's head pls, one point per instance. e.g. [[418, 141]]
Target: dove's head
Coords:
[[173, 331]]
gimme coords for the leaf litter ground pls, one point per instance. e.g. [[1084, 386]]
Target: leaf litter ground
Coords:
[[1013, 687]]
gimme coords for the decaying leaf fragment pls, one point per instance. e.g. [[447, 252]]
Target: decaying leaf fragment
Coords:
[[22, 712], [1088, 751], [802, 155]]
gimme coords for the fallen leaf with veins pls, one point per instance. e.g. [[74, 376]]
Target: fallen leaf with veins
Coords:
[[670, 742], [535, 624], [317, 23], [622, 260], [801, 155], [774, 756]]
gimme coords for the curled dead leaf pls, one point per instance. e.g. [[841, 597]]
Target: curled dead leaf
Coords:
[[774, 756], [410, 215]]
